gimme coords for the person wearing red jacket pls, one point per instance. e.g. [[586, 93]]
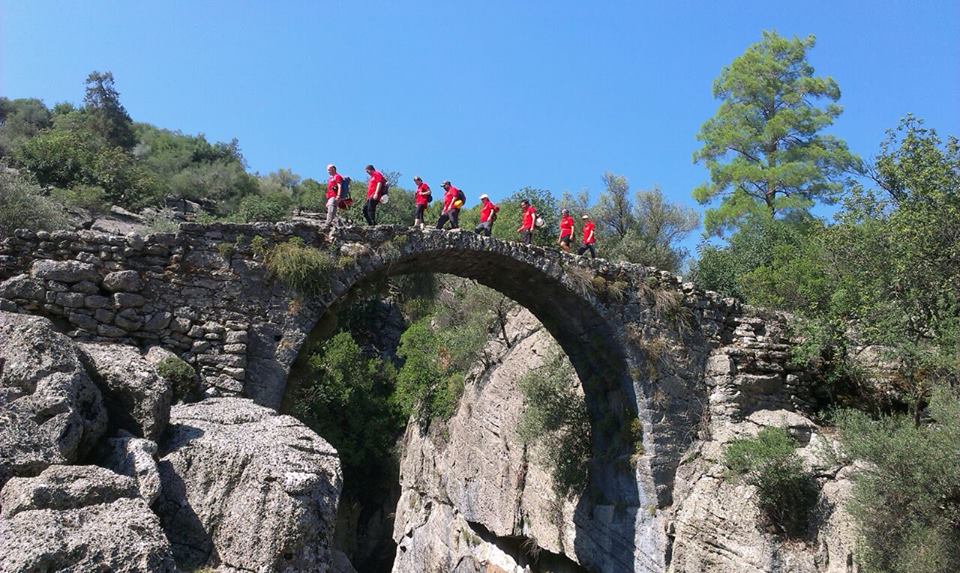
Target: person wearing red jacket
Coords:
[[421, 199], [488, 214], [451, 208], [566, 230], [589, 238], [374, 186], [333, 192], [528, 222]]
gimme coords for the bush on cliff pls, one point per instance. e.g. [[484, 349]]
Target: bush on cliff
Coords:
[[302, 268], [786, 492], [907, 497], [555, 420]]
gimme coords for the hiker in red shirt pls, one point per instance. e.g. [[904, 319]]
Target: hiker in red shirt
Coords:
[[333, 192], [488, 214], [374, 187], [566, 230], [452, 202], [589, 238], [421, 198], [529, 220]]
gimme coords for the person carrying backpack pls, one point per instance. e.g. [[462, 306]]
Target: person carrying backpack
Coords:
[[589, 238], [453, 200], [488, 214], [528, 222], [375, 190], [421, 199], [566, 230], [333, 192]]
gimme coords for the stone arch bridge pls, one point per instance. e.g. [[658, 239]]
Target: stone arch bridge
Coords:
[[656, 356]]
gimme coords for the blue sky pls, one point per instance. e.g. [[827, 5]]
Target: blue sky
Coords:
[[494, 95]]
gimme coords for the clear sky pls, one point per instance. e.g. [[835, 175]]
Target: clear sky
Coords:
[[492, 94]]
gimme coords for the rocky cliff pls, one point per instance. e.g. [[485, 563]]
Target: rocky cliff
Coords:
[[99, 472], [476, 498]]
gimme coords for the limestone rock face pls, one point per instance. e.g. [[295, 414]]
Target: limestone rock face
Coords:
[[137, 398], [79, 518], [717, 526], [473, 489], [482, 474], [50, 410], [246, 488], [444, 541]]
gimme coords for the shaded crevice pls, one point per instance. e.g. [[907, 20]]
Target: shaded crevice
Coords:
[[527, 553]]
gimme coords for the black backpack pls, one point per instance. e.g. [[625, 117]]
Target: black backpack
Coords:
[[461, 196], [344, 199], [384, 187]]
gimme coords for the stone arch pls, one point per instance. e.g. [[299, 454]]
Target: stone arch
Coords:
[[589, 329]]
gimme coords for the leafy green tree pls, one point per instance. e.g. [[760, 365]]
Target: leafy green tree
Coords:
[[764, 147], [343, 395], [762, 262], [59, 158], [614, 210], [105, 114], [655, 227], [20, 119], [896, 255]]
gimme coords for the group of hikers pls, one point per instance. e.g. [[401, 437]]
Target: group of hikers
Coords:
[[338, 197]]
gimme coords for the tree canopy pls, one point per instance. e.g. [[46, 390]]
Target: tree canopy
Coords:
[[764, 147]]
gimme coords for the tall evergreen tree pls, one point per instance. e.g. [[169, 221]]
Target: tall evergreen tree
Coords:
[[764, 147], [105, 114]]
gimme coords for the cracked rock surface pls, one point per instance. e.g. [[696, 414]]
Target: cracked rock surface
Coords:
[[247, 489]]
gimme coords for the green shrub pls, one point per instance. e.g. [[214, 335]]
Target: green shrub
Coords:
[[427, 386], [302, 268], [226, 250], [906, 499], [786, 491], [181, 376], [23, 206], [90, 197], [269, 207], [555, 420]]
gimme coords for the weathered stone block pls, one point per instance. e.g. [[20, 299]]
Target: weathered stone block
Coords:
[[97, 301], [22, 287], [64, 271], [86, 287], [128, 300], [123, 281], [70, 299], [110, 331]]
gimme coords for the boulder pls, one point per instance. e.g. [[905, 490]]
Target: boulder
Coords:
[[51, 412], [136, 397], [22, 287], [133, 457], [79, 518], [244, 487], [64, 271]]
